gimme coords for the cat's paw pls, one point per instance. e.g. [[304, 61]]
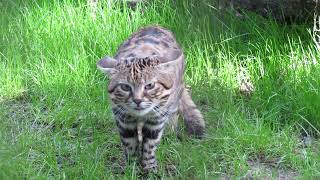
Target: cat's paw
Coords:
[[150, 168]]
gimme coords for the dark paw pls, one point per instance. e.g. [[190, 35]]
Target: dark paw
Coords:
[[150, 168]]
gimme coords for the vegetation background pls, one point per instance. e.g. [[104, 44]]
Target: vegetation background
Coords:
[[55, 119]]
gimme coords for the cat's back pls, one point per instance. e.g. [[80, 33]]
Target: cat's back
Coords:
[[149, 41]]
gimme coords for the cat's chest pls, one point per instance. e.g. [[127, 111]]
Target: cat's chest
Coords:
[[142, 119]]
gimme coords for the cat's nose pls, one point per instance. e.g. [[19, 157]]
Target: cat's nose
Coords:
[[137, 101]]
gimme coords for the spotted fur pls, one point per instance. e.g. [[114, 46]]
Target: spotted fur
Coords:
[[147, 91]]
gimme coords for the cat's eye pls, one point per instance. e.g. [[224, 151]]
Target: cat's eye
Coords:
[[149, 86], [125, 87]]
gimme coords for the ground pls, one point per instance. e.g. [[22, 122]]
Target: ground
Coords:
[[255, 80]]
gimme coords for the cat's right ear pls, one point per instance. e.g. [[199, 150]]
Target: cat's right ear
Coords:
[[107, 65]]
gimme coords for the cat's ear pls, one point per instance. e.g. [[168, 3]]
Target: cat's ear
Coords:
[[175, 64], [107, 65]]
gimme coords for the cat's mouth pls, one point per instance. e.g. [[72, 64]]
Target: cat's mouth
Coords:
[[139, 108]]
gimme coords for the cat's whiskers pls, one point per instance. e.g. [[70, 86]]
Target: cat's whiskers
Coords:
[[120, 112], [160, 113]]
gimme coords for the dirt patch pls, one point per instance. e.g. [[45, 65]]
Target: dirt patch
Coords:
[[268, 170], [21, 113]]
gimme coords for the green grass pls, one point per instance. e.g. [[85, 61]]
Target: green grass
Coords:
[[54, 111]]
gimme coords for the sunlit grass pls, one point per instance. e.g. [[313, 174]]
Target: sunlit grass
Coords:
[[54, 110]]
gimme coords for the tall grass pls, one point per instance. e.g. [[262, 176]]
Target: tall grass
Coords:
[[56, 120]]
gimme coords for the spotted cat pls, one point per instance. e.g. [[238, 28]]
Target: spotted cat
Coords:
[[147, 91]]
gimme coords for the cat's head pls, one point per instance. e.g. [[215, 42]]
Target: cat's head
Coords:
[[143, 85]]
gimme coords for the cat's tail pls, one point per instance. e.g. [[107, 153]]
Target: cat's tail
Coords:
[[192, 116]]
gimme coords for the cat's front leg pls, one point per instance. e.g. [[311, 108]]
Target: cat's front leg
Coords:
[[152, 133], [129, 137]]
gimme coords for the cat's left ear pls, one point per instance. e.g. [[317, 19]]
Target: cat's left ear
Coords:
[[175, 64], [107, 65]]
